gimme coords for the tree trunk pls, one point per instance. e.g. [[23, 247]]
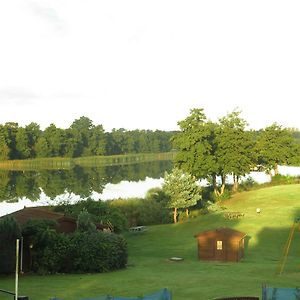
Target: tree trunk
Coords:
[[175, 215], [276, 171], [223, 185], [214, 182], [187, 212], [235, 182]]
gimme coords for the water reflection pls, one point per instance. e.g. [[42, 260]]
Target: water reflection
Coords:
[[83, 182], [51, 187]]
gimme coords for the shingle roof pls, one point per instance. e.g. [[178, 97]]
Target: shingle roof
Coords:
[[224, 231], [23, 215]]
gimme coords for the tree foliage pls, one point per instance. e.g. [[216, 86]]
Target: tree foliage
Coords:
[[213, 150], [81, 139], [9, 232], [182, 189], [275, 145]]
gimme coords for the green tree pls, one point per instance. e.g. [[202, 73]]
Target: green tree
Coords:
[[275, 145], [234, 149], [22, 143], [10, 131], [4, 148], [97, 141], [42, 148], [55, 138], [196, 146], [9, 232], [80, 131], [33, 132], [182, 189]]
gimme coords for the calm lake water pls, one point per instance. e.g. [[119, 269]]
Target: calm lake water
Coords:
[[51, 187]]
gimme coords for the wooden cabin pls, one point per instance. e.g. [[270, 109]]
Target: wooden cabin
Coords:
[[224, 244], [64, 224]]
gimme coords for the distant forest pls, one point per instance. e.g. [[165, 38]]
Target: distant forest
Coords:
[[81, 139]]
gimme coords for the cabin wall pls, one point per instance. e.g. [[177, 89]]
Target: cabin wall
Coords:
[[232, 248]]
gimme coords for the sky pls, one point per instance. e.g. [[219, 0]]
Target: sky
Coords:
[[145, 64]]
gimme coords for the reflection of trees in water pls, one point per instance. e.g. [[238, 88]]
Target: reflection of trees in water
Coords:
[[135, 172], [79, 180]]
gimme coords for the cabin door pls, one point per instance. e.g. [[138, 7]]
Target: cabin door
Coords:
[[220, 250]]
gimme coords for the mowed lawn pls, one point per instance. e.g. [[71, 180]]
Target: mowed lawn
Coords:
[[149, 268]]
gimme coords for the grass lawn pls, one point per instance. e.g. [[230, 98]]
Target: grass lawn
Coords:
[[149, 268]]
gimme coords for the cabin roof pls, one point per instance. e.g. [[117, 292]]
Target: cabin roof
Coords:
[[37, 213], [225, 231]]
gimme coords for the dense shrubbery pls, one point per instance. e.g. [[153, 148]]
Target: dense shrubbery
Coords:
[[100, 212], [93, 251], [284, 179], [97, 252], [122, 213], [53, 252], [140, 211], [9, 232]]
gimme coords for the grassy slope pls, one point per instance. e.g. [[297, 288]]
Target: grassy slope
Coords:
[[149, 268]]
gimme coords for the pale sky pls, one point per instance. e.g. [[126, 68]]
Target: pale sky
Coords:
[[144, 64]]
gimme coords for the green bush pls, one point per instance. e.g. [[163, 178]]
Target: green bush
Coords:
[[9, 233], [97, 252], [284, 179], [139, 211], [48, 248], [100, 212], [82, 251], [247, 184], [84, 222]]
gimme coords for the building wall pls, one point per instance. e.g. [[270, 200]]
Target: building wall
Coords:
[[232, 249]]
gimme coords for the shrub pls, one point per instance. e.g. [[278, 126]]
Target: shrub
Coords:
[[284, 179], [84, 222], [247, 184], [100, 212], [97, 252], [139, 211], [9, 232], [48, 248], [90, 251]]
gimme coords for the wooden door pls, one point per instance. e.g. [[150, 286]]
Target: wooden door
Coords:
[[220, 250]]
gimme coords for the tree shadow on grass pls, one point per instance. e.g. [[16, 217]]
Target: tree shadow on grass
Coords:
[[277, 249]]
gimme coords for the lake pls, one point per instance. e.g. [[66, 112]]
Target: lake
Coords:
[[52, 187]]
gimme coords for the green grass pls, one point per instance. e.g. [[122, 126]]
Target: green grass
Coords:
[[150, 270]]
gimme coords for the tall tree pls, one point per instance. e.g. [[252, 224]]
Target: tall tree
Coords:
[[182, 189], [81, 131], [196, 147], [97, 141], [4, 148], [22, 144], [234, 148], [55, 138], [11, 129], [275, 145], [33, 132]]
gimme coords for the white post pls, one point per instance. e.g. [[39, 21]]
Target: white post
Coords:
[[17, 268], [21, 255]]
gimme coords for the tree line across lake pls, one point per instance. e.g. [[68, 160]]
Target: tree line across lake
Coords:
[[81, 139]]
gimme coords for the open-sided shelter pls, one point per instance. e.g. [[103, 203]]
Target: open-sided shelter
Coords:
[[224, 244]]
